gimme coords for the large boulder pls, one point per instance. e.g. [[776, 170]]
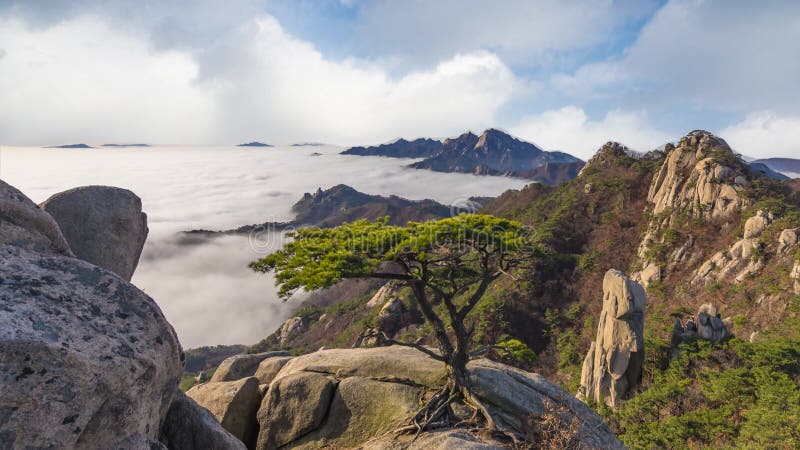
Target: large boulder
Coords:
[[242, 366], [269, 368], [233, 403], [23, 224], [796, 276], [188, 426], [436, 440], [294, 406], [787, 240], [613, 364], [706, 325], [104, 225], [87, 360], [348, 397], [291, 327]]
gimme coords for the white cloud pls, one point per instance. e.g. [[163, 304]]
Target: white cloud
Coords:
[[524, 32], [730, 56], [570, 129], [80, 80], [765, 134], [266, 80]]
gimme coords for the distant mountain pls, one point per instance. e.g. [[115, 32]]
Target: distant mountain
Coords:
[[254, 144], [497, 153], [401, 148], [783, 165], [308, 144], [342, 203], [767, 171], [125, 145], [70, 146]]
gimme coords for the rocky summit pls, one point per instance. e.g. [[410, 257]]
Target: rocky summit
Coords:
[[497, 153]]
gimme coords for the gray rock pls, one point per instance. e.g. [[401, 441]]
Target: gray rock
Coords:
[[292, 326], [710, 325], [756, 225], [379, 389], [437, 440], [269, 368], [103, 225], [233, 403], [294, 406], [86, 359], [787, 240], [24, 224], [189, 426], [242, 366], [795, 274], [614, 362]]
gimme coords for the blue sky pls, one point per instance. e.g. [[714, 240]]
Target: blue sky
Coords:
[[566, 75]]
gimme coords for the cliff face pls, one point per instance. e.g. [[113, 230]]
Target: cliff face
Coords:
[[401, 148]]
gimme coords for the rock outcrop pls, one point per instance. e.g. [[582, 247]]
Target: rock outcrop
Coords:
[[241, 366], [707, 325], [86, 359], [291, 327], [233, 403], [23, 224], [613, 364], [103, 225], [740, 260], [787, 240], [188, 426], [700, 179], [796, 276], [347, 397]]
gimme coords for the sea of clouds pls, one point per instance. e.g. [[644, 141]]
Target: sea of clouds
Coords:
[[203, 285]]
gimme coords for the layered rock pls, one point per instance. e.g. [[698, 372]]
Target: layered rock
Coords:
[[23, 224], [104, 225], [233, 403], [241, 366], [188, 426], [86, 359], [613, 364], [741, 259]]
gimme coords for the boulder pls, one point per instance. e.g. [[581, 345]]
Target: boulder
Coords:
[[233, 403], [361, 409], [383, 363], [292, 326], [710, 325], [383, 294], [188, 426], [706, 325], [23, 224], [103, 225], [787, 240], [649, 274], [756, 225], [390, 317], [86, 358], [795, 274], [242, 366], [379, 389], [614, 362], [270, 367], [293, 406]]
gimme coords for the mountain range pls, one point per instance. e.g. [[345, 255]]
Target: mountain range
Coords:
[[494, 152]]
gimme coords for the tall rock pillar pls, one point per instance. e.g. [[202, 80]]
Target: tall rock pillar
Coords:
[[614, 362]]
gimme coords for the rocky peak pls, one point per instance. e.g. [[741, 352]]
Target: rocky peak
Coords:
[[607, 155]]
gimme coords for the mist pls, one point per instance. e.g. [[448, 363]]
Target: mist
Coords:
[[203, 284]]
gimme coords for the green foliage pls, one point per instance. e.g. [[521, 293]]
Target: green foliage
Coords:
[[588, 261], [552, 319], [570, 357], [738, 395], [516, 350], [318, 258]]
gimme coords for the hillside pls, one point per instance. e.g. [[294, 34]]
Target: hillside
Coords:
[[785, 166], [695, 225]]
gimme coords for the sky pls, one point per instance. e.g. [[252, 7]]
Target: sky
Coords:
[[566, 75]]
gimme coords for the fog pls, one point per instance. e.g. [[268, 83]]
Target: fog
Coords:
[[204, 287]]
